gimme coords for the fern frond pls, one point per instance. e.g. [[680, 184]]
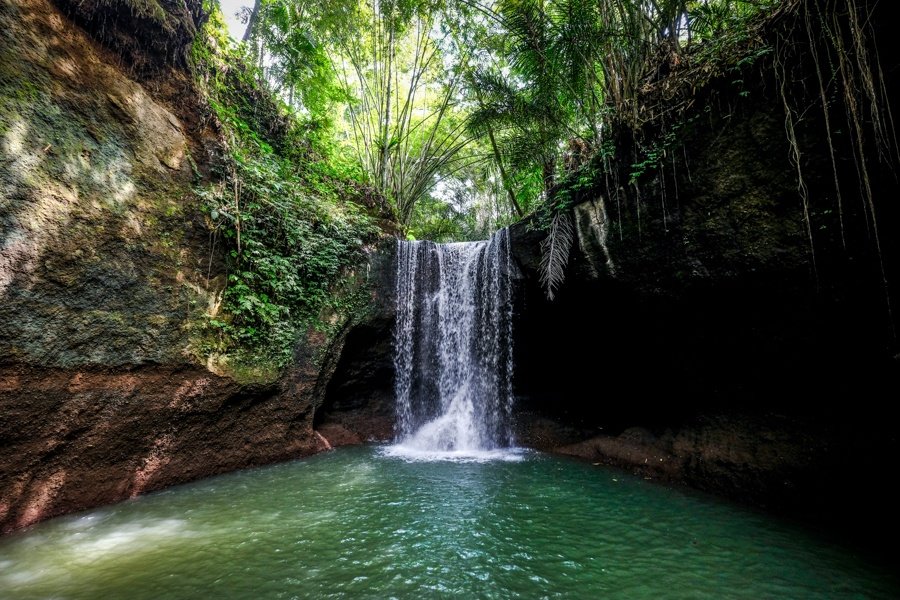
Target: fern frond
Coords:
[[555, 253]]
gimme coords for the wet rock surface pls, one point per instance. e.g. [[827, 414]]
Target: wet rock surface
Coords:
[[358, 405], [77, 438]]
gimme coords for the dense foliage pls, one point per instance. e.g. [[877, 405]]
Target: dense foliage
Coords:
[[287, 218], [464, 115]]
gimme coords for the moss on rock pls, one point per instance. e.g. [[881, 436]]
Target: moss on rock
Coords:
[[100, 227]]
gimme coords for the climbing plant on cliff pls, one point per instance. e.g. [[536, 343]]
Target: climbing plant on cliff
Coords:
[[287, 219]]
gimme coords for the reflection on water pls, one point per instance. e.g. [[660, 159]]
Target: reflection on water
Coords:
[[364, 523]]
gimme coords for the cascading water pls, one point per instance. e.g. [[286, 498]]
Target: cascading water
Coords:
[[453, 346]]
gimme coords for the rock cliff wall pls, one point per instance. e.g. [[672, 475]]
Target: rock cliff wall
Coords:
[[107, 266], [701, 337]]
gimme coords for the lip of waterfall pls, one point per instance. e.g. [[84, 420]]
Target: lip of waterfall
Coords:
[[453, 351]]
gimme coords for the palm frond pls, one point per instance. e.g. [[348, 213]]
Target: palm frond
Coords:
[[555, 253]]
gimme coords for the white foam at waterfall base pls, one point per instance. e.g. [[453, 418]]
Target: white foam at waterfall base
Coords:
[[416, 454], [453, 351]]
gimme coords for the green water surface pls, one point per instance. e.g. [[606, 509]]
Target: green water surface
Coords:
[[358, 524]]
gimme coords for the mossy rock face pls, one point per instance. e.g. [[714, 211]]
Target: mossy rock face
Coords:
[[104, 254]]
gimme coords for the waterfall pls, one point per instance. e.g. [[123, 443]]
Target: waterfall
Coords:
[[453, 346]]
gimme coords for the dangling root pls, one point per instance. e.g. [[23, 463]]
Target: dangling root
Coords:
[[865, 101], [796, 159], [826, 113]]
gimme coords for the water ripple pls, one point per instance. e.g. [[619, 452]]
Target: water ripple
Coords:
[[364, 523]]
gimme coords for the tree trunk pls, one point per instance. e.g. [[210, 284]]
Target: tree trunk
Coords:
[[385, 153], [252, 21], [503, 176]]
